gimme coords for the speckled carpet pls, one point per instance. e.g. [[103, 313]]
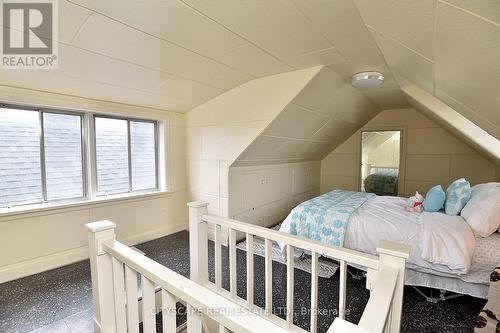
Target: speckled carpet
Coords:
[[60, 300]]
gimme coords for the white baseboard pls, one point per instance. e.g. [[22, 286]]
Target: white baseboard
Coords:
[[45, 263]]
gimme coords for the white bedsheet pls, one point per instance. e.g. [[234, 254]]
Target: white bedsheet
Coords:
[[437, 241]]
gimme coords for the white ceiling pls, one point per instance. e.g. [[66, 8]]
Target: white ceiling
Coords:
[[451, 48], [326, 112], [175, 55]]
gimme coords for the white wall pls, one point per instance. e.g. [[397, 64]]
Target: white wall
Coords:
[[433, 156], [36, 241], [264, 195], [219, 130]]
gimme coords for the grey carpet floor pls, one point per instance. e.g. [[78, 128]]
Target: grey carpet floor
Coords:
[[60, 300]]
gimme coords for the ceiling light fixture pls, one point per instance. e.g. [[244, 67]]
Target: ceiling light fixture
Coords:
[[367, 80]]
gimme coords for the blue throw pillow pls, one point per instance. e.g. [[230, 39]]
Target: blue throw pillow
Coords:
[[457, 195], [434, 199]]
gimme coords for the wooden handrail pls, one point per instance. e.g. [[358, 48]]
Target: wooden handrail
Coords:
[[229, 314], [378, 308], [339, 253]]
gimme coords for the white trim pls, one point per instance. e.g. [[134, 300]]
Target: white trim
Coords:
[[21, 212], [45, 263]]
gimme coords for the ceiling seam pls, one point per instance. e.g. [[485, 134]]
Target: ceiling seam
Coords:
[[293, 139], [165, 40], [160, 111], [138, 65], [317, 29], [237, 34], [109, 84], [434, 43], [468, 109], [145, 67], [401, 44], [330, 117], [471, 13], [81, 25]]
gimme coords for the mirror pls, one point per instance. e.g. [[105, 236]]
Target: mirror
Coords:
[[380, 162]]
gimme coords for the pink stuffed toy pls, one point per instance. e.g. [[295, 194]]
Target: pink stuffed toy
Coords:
[[415, 203]]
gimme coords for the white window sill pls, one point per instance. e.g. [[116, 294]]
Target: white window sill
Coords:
[[18, 212]]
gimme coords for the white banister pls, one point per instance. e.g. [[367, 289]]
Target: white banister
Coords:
[[200, 299], [148, 305], [343, 326], [395, 255], [339, 253], [102, 276], [168, 312], [232, 262], [289, 284], [342, 289], [198, 238], [119, 296], [390, 255], [249, 249], [132, 300], [268, 254], [218, 257], [384, 308], [314, 292], [194, 320]]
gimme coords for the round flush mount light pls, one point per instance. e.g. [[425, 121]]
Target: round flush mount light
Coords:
[[367, 80]]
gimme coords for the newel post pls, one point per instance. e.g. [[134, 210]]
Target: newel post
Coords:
[[101, 270], [395, 255], [198, 238]]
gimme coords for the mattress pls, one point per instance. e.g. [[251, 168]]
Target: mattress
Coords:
[[437, 241], [474, 283], [384, 218]]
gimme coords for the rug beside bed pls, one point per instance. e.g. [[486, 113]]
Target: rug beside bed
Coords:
[[326, 267]]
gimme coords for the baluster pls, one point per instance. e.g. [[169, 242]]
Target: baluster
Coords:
[[342, 289], [232, 261], [218, 262], [314, 292], [269, 275], [132, 303], [289, 284], [168, 312], [194, 320], [148, 306], [119, 296], [250, 270]]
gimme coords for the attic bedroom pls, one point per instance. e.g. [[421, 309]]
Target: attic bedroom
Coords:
[[249, 166]]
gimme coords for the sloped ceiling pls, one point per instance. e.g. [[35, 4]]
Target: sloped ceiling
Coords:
[[175, 55], [450, 48], [325, 113]]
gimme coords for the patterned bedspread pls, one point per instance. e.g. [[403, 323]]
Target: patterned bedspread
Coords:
[[325, 218], [382, 183]]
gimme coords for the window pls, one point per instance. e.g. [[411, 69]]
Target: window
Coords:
[[62, 137], [143, 159], [111, 148], [125, 155], [43, 159], [20, 172]]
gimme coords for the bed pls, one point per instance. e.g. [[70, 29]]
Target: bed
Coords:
[[444, 253], [381, 180]]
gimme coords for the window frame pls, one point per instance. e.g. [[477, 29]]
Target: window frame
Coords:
[[82, 149], [88, 155], [96, 193]]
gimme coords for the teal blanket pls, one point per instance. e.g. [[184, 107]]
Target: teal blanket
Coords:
[[325, 218]]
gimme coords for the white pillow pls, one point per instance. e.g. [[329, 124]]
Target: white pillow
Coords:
[[482, 212], [484, 187]]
